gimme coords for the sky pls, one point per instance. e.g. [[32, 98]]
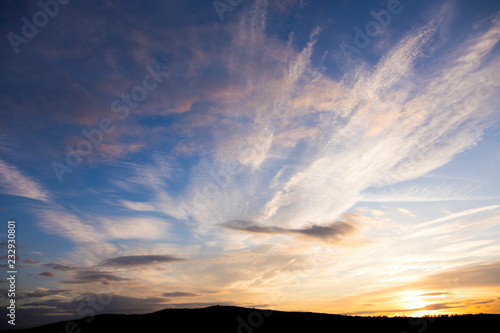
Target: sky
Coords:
[[326, 156]]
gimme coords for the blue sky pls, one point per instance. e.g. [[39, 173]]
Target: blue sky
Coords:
[[330, 156]]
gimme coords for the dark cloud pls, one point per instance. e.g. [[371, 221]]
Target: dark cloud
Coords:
[[58, 267], [484, 302], [43, 293], [331, 232], [109, 303], [179, 294], [250, 226], [141, 260], [47, 274], [210, 291], [94, 276], [439, 306]]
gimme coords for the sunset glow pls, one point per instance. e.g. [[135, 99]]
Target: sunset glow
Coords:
[[326, 156]]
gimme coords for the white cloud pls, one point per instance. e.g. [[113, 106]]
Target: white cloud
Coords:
[[90, 229], [14, 182], [376, 212], [309, 146], [59, 222], [401, 125], [406, 211], [135, 228]]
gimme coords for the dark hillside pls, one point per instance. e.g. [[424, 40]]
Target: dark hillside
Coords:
[[227, 319]]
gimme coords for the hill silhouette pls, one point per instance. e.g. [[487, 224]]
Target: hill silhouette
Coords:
[[230, 319]]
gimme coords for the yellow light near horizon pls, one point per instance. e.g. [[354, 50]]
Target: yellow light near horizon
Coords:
[[411, 300], [421, 313]]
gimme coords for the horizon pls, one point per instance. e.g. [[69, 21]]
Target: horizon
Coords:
[[241, 318], [328, 157]]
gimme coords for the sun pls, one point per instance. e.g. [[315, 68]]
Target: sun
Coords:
[[413, 303]]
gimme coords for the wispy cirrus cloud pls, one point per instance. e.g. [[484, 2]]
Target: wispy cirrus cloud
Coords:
[[368, 130], [307, 146], [475, 275], [82, 228], [14, 182]]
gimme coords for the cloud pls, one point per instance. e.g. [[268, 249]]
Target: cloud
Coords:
[[82, 228], [462, 214], [58, 267], [273, 140], [377, 212], [482, 275], [332, 232], [134, 228], [406, 211], [306, 146], [484, 302], [179, 294], [56, 220], [47, 274], [29, 261], [92, 276], [387, 126], [439, 306], [45, 293], [154, 178], [425, 189], [471, 220], [436, 294], [139, 260], [14, 182]]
